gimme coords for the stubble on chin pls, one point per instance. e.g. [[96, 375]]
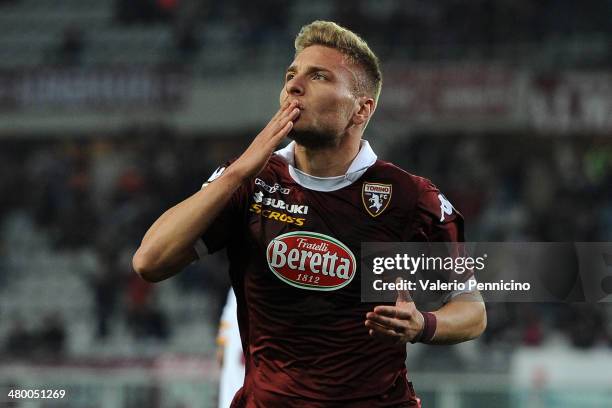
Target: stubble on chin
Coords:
[[314, 139]]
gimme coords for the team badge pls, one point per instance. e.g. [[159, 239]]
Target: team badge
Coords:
[[376, 197]]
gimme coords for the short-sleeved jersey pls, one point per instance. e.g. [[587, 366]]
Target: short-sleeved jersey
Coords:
[[293, 243]]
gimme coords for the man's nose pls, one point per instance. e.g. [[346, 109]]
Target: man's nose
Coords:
[[294, 87]]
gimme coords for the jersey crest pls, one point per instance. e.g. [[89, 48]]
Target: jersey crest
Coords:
[[376, 197]]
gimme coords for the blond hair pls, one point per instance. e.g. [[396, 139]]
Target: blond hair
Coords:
[[330, 34]]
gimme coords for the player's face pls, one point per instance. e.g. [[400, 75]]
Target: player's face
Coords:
[[322, 82]]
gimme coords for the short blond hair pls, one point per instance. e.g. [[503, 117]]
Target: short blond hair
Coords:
[[330, 34]]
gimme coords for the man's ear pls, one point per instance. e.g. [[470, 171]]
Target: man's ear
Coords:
[[365, 109]]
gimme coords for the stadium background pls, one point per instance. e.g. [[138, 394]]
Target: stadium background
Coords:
[[111, 111]]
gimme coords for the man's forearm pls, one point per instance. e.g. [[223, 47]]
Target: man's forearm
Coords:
[[464, 318], [169, 241]]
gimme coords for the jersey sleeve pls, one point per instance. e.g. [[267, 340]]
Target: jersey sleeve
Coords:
[[227, 223], [436, 220]]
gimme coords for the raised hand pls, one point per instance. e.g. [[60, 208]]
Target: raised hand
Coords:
[[255, 157]]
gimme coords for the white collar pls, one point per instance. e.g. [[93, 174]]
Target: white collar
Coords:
[[364, 159]]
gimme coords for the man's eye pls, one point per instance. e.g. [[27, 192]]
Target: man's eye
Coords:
[[318, 75], [289, 77]]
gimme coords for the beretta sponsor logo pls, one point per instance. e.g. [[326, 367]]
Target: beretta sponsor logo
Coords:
[[309, 260]]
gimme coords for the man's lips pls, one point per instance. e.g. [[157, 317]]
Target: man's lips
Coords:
[[300, 106]]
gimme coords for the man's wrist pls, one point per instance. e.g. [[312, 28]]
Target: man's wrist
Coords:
[[235, 175], [430, 323]]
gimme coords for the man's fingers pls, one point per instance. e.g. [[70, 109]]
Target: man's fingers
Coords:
[[379, 331], [390, 323], [277, 117], [258, 153], [403, 296], [394, 312], [282, 133], [284, 125], [292, 114], [284, 108], [280, 123]]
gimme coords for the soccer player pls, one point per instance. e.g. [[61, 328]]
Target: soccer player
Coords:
[[293, 220]]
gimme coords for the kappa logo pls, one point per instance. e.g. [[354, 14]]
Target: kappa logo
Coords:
[[376, 197], [271, 189], [445, 206]]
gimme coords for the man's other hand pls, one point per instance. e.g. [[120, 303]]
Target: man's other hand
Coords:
[[401, 323]]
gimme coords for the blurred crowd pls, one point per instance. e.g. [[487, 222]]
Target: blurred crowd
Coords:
[[46, 341], [521, 188], [475, 28], [395, 28], [526, 189], [102, 193], [478, 28]]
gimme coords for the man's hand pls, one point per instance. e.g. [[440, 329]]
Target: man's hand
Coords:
[[398, 324], [255, 157]]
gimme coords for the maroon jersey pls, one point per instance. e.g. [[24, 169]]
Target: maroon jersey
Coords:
[[293, 243]]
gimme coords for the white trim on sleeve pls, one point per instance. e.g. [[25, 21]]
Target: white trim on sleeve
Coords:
[[454, 293], [200, 248]]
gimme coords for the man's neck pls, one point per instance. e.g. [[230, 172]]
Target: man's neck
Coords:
[[327, 162]]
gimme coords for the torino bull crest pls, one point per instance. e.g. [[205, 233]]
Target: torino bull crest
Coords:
[[376, 197]]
